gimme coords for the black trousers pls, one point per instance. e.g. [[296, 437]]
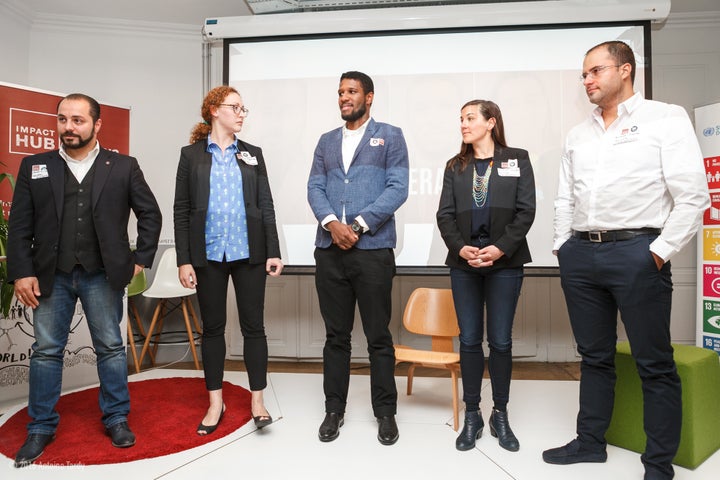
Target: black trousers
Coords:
[[249, 283], [599, 279], [344, 278]]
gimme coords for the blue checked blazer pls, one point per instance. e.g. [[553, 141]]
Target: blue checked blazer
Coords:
[[374, 187]]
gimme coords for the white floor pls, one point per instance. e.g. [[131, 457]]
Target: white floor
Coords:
[[542, 414]]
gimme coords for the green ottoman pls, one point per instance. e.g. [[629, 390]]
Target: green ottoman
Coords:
[[699, 370]]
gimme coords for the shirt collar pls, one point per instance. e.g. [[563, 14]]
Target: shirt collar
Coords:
[[626, 107], [212, 145], [357, 132], [92, 154]]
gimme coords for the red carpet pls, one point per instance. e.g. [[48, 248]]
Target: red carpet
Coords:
[[164, 415]]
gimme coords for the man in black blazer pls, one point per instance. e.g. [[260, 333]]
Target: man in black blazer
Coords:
[[68, 240]]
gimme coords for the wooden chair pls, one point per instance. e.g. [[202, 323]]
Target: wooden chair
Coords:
[[165, 287], [430, 311]]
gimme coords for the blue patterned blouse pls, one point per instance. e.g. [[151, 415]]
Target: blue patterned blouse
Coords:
[[226, 233]]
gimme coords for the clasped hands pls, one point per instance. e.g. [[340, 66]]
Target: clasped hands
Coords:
[[342, 235], [481, 257]]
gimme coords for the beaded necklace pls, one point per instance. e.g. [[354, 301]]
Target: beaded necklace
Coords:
[[480, 185]]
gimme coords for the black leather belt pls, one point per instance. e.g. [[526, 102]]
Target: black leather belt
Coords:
[[614, 235]]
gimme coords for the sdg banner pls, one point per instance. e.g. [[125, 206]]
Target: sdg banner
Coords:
[[28, 123], [707, 126]]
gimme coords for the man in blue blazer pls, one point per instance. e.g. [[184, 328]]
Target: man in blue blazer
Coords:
[[68, 240], [359, 178]]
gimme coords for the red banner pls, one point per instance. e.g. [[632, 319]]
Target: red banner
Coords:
[[28, 126]]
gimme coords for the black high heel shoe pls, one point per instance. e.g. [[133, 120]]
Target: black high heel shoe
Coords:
[[500, 428], [262, 421], [208, 429], [472, 430]]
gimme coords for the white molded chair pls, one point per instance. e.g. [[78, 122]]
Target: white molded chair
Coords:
[[166, 286]]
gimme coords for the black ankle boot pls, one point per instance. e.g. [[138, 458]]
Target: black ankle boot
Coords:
[[472, 430], [500, 428]]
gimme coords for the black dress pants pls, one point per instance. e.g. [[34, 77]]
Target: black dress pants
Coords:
[[344, 278], [599, 279], [249, 284]]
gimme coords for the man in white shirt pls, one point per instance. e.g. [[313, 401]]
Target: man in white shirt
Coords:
[[631, 195]]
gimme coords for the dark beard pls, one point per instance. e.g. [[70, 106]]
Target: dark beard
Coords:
[[355, 114], [81, 143]]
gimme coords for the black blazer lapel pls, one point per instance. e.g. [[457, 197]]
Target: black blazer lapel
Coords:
[[56, 172], [103, 166]]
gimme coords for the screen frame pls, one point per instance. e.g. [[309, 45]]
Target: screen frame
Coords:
[[431, 270]]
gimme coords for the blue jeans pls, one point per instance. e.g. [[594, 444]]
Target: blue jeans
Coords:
[[498, 292], [51, 321]]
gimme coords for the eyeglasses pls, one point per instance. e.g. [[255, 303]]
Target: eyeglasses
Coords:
[[595, 71], [237, 109]]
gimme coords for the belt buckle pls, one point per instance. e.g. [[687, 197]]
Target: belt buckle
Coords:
[[595, 236]]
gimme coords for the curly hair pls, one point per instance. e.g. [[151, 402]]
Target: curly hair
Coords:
[[213, 99]]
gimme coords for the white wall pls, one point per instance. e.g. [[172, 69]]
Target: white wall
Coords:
[[14, 42], [157, 72]]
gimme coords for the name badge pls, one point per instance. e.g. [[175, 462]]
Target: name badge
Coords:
[[627, 135], [376, 142], [247, 158], [39, 171], [509, 168]]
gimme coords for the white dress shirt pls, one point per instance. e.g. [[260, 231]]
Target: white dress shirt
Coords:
[[80, 168], [645, 171], [350, 141]]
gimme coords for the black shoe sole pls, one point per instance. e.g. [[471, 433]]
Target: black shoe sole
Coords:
[[570, 460], [388, 442]]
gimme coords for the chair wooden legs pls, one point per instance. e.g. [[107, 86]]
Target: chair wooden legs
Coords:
[[456, 406], [133, 314], [191, 336], [155, 329], [454, 374], [198, 328], [151, 329], [131, 342], [410, 375]]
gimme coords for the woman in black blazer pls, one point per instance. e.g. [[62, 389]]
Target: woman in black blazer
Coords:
[[487, 206], [225, 227]]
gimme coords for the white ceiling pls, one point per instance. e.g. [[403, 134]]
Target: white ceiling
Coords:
[[194, 12]]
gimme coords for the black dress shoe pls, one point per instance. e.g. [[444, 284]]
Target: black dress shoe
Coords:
[[208, 429], [472, 430], [33, 447], [573, 452], [121, 435], [387, 430], [330, 427], [262, 421], [500, 428]]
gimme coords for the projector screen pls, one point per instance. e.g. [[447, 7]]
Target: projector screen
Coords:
[[422, 78]]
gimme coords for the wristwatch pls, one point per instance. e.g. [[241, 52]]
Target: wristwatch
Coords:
[[357, 228]]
